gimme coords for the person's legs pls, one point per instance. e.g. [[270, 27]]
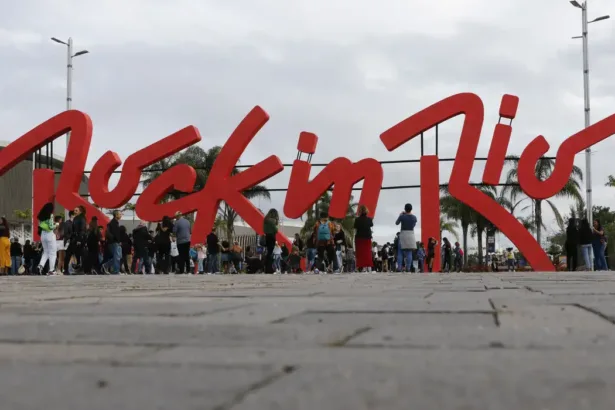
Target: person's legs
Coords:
[[48, 240], [124, 263], [14, 264], [586, 252], [399, 258], [321, 256], [601, 256], [331, 253], [116, 250], [68, 255], [596, 252]]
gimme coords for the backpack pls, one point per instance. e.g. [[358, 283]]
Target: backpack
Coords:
[[324, 232]]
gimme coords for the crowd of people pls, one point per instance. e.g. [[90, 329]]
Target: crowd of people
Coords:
[[81, 246]]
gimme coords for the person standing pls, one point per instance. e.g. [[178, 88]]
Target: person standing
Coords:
[[163, 245], [431, 253], [458, 257], [277, 259], [92, 243], [183, 234], [77, 239], [446, 255], [407, 241], [141, 241], [585, 240], [340, 247], [114, 243], [598, 245], [323, 232], [16, 256], [213, 248], [298, 242], [174, 255], [46, 228], [420, 256], [270, 228], [126, 244], [571, 245], [363, 240], [60, 242], [28, 256], [5, 247]]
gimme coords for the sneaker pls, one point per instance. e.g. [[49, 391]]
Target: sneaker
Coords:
[[104, 270]]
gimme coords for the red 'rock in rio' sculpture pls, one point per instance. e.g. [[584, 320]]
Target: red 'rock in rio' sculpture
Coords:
[[341, 173]]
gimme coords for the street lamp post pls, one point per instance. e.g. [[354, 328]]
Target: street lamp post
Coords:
[[69, 81], [588, 159]]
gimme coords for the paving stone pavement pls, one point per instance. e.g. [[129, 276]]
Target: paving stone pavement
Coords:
[[510, 341]]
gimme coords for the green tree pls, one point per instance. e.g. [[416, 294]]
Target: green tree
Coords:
[[24, 216], [543, 170], [467, 217], [131, 208], [447, 225], [456, 210]]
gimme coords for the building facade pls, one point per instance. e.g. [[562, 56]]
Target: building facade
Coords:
[[16, 192]]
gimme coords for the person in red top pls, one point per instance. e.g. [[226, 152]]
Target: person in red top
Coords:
[[324, 238], [363, 239]]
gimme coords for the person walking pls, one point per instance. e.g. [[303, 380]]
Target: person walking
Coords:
[[363, 240], [270, 228], [46, 228], [183, 234], [446, 255], [571, 245], [407, 241]]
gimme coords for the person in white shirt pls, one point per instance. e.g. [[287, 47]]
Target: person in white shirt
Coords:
[[174, 253], [277, 258]]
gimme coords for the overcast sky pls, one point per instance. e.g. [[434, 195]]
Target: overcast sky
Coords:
[[345, 70]]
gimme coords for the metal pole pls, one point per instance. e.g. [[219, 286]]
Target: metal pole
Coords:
[[69, 96], [588, 158]]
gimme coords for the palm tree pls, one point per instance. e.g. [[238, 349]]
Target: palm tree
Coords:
[[23, 215], [228, 214], [130, 207], [456, 210], [449, 226], [480, 223], [203, 161], [544, 168]]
